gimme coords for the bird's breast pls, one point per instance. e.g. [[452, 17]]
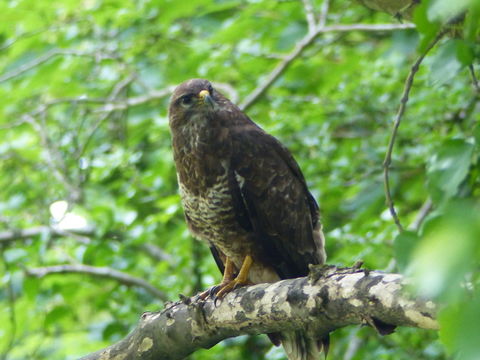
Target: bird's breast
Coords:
[[209, 208]]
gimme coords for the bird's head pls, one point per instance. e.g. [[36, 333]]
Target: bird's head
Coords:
[[195, 97]]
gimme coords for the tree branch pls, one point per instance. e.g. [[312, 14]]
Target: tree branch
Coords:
[[105, 272], [82, 235], [47, 57], [12, 41], [157, 253], [422, 214], [309, 15], [328, 299], [396, 124], [322, 21], [12, 235], [302, 45], [135, 101]]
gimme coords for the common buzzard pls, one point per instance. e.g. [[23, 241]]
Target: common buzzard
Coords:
[[245, 195]]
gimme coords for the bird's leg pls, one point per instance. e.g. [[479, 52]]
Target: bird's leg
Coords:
[[228, 273], [228, 276], [241, 279]]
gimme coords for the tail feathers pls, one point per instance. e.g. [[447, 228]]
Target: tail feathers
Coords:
[[299, 345]]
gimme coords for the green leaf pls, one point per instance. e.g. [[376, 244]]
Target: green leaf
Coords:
[[403, 247], [472, 22], [424, 25], [448, 168], [445, 10], [465, 51], [58, 313], [459, 328], [31, 285], [446, 64], [447, 251]]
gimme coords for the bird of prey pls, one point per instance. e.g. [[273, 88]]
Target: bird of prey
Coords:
[[245, 196]]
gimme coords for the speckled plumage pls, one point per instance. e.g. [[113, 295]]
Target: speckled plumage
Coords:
[[242, 191]]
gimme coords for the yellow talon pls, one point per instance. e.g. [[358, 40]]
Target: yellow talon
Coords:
[[240, 280]]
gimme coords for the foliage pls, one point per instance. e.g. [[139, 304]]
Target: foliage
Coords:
[[85, 149]]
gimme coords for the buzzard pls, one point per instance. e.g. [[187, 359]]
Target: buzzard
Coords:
[[245, 196]]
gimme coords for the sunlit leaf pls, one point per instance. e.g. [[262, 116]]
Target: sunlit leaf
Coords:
[[447, 251], [447, 168], [446, 63], [446, 10], [459, 327]]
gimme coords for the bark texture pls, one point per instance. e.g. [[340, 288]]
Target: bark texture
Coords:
[[328, 299]]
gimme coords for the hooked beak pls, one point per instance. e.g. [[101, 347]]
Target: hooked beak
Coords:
[[205, 96]]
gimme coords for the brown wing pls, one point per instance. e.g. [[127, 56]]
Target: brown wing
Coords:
[[281, 210]]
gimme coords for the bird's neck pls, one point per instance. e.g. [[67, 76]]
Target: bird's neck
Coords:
[[200, 136]]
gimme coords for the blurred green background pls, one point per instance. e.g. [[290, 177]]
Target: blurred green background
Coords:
[[87, 178]]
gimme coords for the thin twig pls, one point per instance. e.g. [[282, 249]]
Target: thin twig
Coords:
[[396, 124], [157, 253], [322, 21], [103, 272], [25, 35], [117, 89], [108, 104], [135, 101], [22, 234], [82, 99], [83, 235], [48, 56], [365, 27], [422, 214], [13, 124], [54, 159], [310, 15], [26, 118], [303, 44], [277, 71], [474, 78], [68, 21]]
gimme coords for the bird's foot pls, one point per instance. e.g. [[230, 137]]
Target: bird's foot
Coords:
[[229, 282], [223, 289], [211, 292], [240, 280], [204, 295], [219, 291]]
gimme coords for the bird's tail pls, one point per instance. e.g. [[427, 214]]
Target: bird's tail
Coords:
[[299, 345]]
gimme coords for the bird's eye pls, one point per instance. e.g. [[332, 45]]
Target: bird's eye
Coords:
[[186, 100]]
